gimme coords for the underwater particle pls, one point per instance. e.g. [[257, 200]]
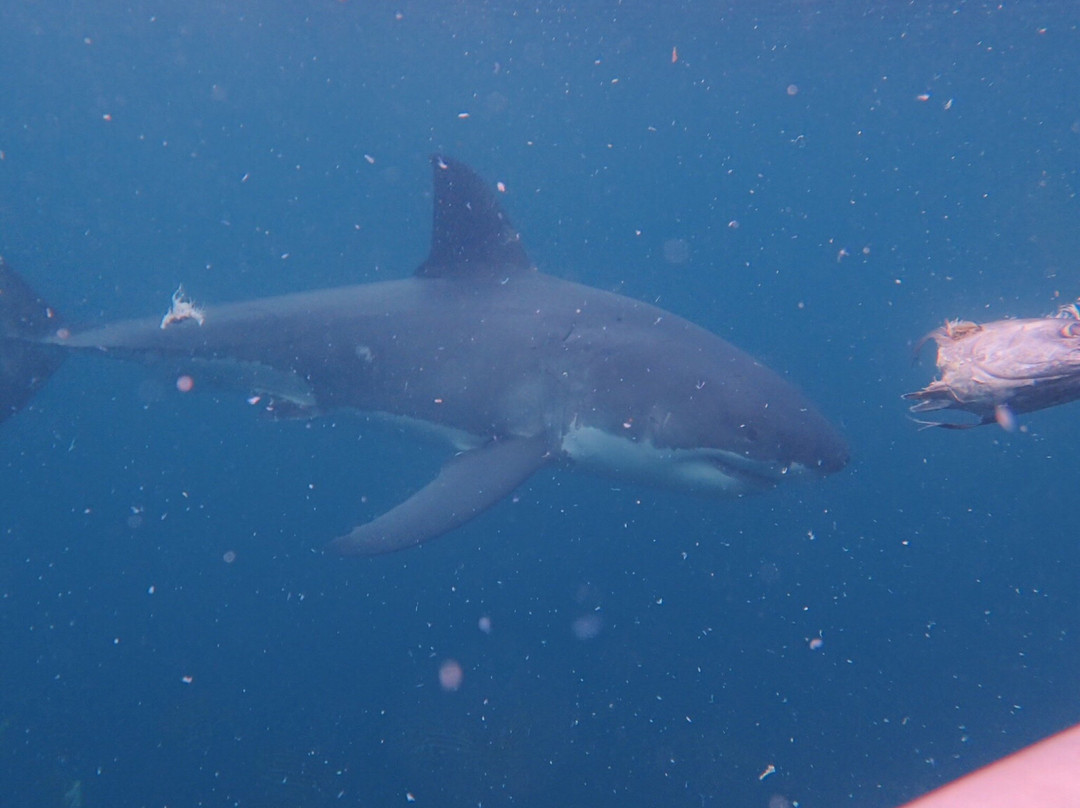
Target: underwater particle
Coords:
[[793, 89], [451, 675], [484, 624], [674, 54], [676, 251], [187, 680], [1005, 417], [229, 556], [770, 769], [816, 643], [185, 384], [587, 626]]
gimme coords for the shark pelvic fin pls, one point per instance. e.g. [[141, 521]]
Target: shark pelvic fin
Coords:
[[467, 485], [471, 236]]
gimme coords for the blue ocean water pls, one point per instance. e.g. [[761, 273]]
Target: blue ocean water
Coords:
[[819, 182]]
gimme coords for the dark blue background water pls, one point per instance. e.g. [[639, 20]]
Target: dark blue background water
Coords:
[[223, 145]]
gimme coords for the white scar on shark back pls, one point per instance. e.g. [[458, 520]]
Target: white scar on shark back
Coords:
[[182, 309]]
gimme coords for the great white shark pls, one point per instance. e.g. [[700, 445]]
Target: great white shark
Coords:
[[516, 368]]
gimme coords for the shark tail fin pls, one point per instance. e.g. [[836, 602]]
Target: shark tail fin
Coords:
[[26, 362]]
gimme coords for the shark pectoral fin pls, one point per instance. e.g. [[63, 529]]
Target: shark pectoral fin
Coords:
[[467, 485]]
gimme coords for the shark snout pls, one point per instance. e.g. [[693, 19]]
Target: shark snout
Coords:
[[795, 437], [834, 455], [820, 448]]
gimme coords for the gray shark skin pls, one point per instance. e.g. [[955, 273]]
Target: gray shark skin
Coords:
[[516, 368]]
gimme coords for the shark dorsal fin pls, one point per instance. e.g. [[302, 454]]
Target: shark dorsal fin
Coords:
[[471, 236]]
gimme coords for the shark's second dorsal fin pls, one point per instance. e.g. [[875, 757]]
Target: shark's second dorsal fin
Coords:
[[471, 236]]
